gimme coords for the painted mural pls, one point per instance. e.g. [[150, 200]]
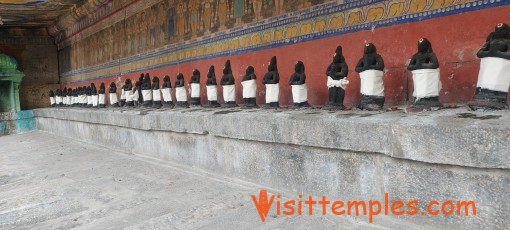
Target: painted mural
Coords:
[[35, 12], [176, 31]]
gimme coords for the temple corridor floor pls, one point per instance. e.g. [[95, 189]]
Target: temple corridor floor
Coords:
[[51, 182]]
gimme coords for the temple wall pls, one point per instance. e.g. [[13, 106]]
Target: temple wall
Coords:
[[123, 39], [346, 155], [37, 57]]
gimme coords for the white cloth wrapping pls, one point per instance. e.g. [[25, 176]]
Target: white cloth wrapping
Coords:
[[494, 74], [372, 83], [156, 95], [122, 95], [135, 95], [89, 100], [71, 102], [299, 93], [229, 93], [83, 99], [147, 95], [249, 88], [68, 100], [64, 100], [59, 99], [95, 100], [167, 94], [102, 99], [180, 94], [129, 96], [52, 100], [76, 100], [272, 92], [113, 98], [195, 89], [426, 83], [342, 83], [212, 92]]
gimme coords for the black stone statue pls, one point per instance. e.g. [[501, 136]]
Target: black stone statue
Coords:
[[494, 77], [337, 73], [147, 90], [425, 68], [195, 88], [180, 92], [64, 97], [166, 90], [298, 83], [212, 89], [114, 101], [250, 88], [89, 96], [156, 93], [102, 96], [272, 81], [228, 84], [128, 88], [94, 96], [53, 102], [370, 68]]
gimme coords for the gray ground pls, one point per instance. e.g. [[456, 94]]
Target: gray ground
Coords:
[[49, 182]]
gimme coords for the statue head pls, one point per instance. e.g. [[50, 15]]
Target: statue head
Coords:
[[370, 49], [211, 74], [227, 69], [180, 76], [272, 65], [337, 57], [196, 72], [424, 46], [250, 70], [299, 67], [166, 78]]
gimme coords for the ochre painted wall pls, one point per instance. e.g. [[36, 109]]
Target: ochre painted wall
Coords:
[[456, 36]]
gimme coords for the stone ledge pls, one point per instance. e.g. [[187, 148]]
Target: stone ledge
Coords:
[[481, 140]]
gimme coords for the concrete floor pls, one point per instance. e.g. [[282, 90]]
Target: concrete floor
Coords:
[[50, 182]]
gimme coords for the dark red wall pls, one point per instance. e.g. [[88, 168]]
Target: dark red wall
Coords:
[[455, 40]]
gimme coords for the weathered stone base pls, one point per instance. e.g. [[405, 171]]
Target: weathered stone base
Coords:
[[16, 122], [485, 99], [371, 103], [346, 155]]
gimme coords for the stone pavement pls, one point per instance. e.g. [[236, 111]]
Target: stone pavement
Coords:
[[50, 182]]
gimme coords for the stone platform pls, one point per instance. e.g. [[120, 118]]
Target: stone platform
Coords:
[[350, 155]]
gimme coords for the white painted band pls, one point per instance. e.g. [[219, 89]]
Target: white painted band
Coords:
[[299, 93], [113, 98], [426, 83], [342, 83], [249, 88], [195, 89], [123, 95], [212, 92], [229, 93], [102, 99], [372, 83], [129, 96], [147, 95], [156, 95], [95, 100], [167, 94], [52, 100], [272, 92], [180, 94], [494, 74]]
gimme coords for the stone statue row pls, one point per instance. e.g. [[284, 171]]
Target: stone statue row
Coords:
[[491, 93]]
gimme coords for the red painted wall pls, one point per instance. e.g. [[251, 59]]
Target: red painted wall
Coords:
[[455, 40]]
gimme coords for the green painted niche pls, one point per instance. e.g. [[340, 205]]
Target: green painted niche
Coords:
[[10, 80]]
